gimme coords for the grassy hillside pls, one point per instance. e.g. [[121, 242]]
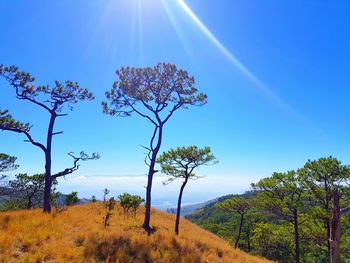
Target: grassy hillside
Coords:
[[77, 235]]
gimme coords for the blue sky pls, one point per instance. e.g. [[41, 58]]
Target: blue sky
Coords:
[[292, 105]]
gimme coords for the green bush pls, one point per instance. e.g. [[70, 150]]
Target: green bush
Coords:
[[130, 203]]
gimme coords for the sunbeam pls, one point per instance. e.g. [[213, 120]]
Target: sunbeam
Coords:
[[261, 86]]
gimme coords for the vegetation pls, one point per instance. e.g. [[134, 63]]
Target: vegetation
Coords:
[[237, 205], [311, 202], [29, 189], [52, 100], [154, 94], [72, 198], [323, 178], [7, 163], [109, 206], [283, 195], [180, 163], [130, 203], [302, 202], [27, 236], [105, 193]]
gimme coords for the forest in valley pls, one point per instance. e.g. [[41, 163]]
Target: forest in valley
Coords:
[[295, 216]]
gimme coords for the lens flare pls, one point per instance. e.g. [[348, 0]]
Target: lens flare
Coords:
[[259, 84]]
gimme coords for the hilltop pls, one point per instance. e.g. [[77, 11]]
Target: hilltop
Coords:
[[77, 235]]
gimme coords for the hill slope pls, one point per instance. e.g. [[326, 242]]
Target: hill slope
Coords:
[[77, 235]]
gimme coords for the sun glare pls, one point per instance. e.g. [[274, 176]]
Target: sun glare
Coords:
[[232, 58]]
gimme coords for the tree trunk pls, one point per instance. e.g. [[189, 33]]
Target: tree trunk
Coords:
[[48, 177], [248, 240], [296, 236], [30, 203], [239, 230], [335, 230], [147, 219], [146, 223], [178, 212], [47, 194], [328, 227]]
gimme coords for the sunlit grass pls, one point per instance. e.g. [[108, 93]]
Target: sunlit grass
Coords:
[[77, 235]]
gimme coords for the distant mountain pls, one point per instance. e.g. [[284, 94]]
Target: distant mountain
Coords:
[[189, 209], [210, 213], [83, 201]]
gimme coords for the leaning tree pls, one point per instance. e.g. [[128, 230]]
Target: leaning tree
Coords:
[[53, 100], [154, 94], [181, 163]]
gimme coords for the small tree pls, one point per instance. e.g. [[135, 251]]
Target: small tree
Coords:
[[72, 198], [125, 202], [130, 203], [136, 201], [29, 188], [180, 163], [237, 205], [284, 196], [52, 100], [109, 206], [154, 94], [105, 193], [93, 199]]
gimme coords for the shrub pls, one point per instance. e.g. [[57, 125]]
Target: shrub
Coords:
[[72, 198], [130, 203]]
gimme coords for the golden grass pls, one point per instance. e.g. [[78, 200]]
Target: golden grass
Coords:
[[77, 235]]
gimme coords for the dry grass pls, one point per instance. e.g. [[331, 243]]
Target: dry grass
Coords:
[[77, 235]]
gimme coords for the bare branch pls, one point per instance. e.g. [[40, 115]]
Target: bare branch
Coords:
[[55, 133], [30, 139], [82, 157]]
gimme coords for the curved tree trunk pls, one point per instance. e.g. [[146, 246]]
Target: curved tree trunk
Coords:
[[151, 171], [178, 212], [239, 230]]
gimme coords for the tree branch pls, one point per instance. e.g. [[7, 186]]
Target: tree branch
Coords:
[[55, 133], [30, 139], [83, 157]]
